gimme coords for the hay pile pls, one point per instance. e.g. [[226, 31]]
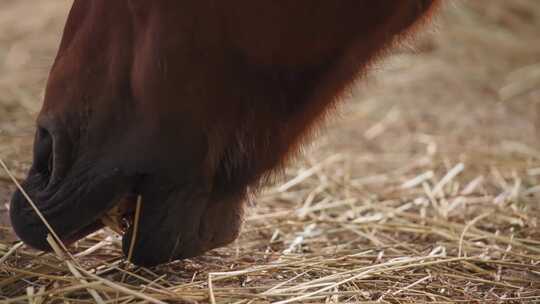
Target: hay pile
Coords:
[[431, 234], [427, 189]]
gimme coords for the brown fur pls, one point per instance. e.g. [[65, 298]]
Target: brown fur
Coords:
[[190, 103]]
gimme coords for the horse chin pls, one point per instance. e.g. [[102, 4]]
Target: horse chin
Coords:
[[180, 223]]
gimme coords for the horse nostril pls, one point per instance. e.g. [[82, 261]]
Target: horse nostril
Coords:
[[43, 153], [50, 163]]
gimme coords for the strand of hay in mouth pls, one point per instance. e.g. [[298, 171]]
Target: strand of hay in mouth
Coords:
[[133, 235], [135, 228]]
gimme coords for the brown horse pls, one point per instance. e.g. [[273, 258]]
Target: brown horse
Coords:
[[187, 104]]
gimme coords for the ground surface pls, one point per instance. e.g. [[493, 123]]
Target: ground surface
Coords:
[[425, 189]]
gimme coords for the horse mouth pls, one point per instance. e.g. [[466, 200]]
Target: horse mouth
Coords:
[[120, 218], [74, 209], [122, 215]]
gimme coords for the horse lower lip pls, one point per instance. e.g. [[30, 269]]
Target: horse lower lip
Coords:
[[124, 219], [81, 233]]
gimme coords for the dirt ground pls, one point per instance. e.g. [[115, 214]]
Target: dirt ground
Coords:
[[425, 187]]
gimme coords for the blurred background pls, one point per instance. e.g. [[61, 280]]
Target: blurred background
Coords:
[[465, 93]]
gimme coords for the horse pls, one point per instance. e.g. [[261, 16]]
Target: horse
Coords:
[[188, 107]]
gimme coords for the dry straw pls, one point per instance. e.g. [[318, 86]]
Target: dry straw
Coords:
[[335, 248]]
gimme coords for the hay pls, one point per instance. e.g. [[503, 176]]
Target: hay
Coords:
[[406, 202], [470, 240]]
